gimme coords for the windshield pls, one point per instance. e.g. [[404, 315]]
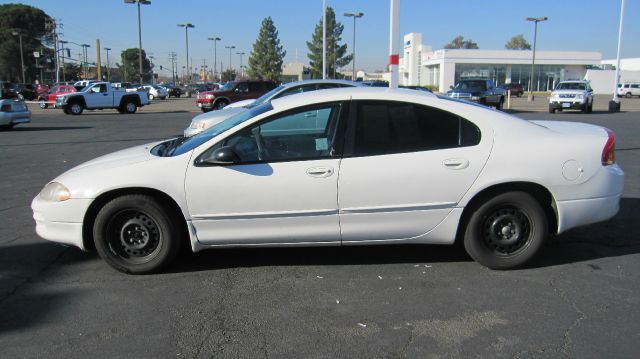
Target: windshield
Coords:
[[227, 87], [84, 89], [264, 98], [466, 85], [571, 86], [182, 145]]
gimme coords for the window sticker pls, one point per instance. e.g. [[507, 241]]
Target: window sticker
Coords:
[[322, 144]]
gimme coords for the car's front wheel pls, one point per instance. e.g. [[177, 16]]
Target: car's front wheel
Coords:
[[43, 104], [137, 234], [220, 104], [76, 108], [506, 231]]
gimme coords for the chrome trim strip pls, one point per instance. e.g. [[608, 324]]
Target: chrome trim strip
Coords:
[[265, 215], [409, 208]]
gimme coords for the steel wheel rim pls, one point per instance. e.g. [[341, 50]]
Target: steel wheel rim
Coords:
[[131, 106], [133, 236], [43, 104], [506, 230], [75, 108]]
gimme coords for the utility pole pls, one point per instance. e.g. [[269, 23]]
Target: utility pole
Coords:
[[230, 48], [19, 35], [187, 26], [86, 61], [63, 43], [139, 2], [98, 60], [215, 39], [536, 20], [241, 71], [107, 49]]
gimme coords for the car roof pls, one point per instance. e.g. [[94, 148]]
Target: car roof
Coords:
[[319, 81]]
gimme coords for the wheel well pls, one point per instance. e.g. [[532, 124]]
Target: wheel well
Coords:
[[100, 201], [79, 99], [222, 99], [539, 193], [126, 99]]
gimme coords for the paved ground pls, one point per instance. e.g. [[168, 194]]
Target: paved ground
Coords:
[[580, 299]]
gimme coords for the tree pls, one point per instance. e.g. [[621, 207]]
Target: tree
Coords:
[[35, 27], [130, 67], [460, 43], [517, 42], [228, 75], [265, 60], [335, 52]]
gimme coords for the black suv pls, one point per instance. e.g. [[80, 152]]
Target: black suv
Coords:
[[481, 91]]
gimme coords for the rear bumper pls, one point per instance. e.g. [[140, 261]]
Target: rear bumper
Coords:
[[14, 118]]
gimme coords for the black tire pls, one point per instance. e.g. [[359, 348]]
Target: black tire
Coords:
[[205, 109], [585, 108], [220, 104], [628, 95], [137, 234], [519, 94], [129, 107], [75, 108], [552, 109], [177, 96], [66, 111], [590, 107], [500, 104], [6, 127], [43, 104], [163, 98], [514, 214]]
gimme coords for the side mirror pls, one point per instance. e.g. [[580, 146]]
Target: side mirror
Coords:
[[451, 87], [222, 156]]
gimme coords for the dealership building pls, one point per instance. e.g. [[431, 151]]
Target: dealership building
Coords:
[[422, 66]]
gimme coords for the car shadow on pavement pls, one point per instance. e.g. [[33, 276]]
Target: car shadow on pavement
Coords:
[[617, 237], [49, 128]]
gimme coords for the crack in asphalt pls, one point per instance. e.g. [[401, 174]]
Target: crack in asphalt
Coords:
[[13, 207], [581, 315], [28, 279]]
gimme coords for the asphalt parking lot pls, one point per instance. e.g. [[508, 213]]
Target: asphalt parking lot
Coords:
[[579, 299]]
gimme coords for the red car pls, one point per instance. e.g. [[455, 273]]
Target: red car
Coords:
[[232, 92], [50, 97], [42, 89]]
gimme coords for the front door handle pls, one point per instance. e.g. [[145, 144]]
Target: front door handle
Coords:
[[456, 163], [320, 172]]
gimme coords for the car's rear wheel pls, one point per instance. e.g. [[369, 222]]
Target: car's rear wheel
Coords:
[[628, 95], [43, 104], [137, 234], [552, 109], [151, 97], [506, 231], [130, 107]]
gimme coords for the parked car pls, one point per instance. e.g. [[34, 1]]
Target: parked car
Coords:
[[26, 92], [42, 89], [375, 83], [156, 91], [341, 167], [481, 91], [208, 119], [232, 92], [99, 96], [13, 112], [85, 83], [571, 95], [173, 91], [513, 89], [49, 99], [629, 89], [194, 89], [7, 90]]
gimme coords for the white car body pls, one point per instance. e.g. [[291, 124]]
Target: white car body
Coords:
[[156, 92], [208, 119], [409, 197], [629, 89], [571, 95]]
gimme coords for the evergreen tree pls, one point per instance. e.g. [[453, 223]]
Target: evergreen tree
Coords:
[[265, 60], [130, 67], [335, 52]]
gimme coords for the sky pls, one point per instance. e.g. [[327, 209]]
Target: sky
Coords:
[[573, 25]]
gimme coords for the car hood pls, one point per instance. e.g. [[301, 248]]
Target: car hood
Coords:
[[218, 115], [124, 157], [572, 92]]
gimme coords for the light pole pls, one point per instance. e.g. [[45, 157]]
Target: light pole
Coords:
[[324, 39], [107, 49], [614, 104], [355, 15], [139, 2], [241, 72], [230, 48], [86, 63], [187, 26], [19, 35], [63, 42], [215, 40], [536, 20]]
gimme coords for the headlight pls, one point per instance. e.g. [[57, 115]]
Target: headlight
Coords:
[[210, 97], [554, 95], [55, 192], [200, 125]]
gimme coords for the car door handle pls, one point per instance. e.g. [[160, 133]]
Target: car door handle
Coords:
[[320, 172], [456, 163]]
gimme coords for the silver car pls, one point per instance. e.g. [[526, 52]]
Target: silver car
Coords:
[[208, 119], [13, 112]]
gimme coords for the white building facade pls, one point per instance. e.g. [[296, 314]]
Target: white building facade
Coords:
[[420, 65]]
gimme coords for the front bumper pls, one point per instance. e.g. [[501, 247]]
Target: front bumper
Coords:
[[204, 103], [14, 118], [567, 104], [60, 221]]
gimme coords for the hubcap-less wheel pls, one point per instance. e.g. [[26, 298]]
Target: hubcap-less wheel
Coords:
[[133, 236], [506, 230], [76, 109], [43, 105], [130, 107]]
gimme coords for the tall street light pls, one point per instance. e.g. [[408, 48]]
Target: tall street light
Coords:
[[86, 61], [324, 39], [230, 48], [536, 20], [107, 49], [19, 35], [355, 15], [187, 26], [241, 72], [215, 40], [139, 2], [614, 104]]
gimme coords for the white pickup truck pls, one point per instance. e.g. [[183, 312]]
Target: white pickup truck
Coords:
[[101, 95]]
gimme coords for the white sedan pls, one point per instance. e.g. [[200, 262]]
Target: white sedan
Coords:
[[340, 167]]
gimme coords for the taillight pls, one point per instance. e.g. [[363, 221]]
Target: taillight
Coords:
[[609, 150], [6, 108]]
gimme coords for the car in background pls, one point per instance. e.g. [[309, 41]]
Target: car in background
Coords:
[[350, 166], [571, 95], [42, 89], [173, 91], [7, 90], [206, 120], [417, 88], [49, 99], [478, 90], [85, 83], [13, 112], [232, 92], [99, 96], [194, 89], [513, 89], [26, 92], [375, 83], [629, 89], [156, 91]]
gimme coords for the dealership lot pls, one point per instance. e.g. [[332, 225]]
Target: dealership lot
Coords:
[[578, 299]]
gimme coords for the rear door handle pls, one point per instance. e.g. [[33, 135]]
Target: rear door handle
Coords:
[[456, 163], [320, 172]]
